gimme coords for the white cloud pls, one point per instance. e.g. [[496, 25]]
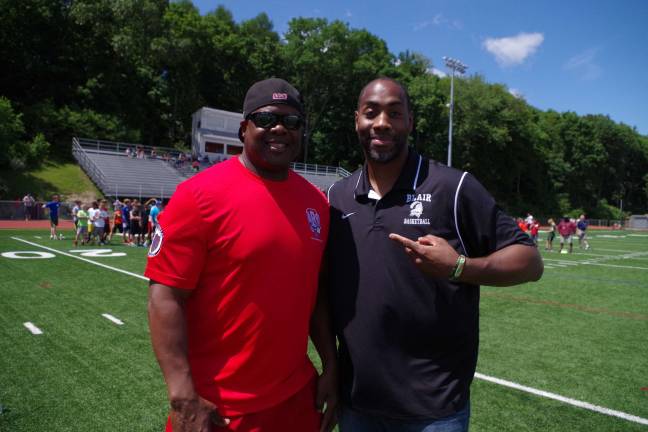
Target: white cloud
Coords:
[[421, 25], [348, 13], [513, 50], [437, 72], [585, 64], [439, 20]]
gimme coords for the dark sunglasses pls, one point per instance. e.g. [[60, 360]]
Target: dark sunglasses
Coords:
[[267, 120]]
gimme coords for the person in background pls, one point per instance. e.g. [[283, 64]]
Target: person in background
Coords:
[[28, 206], [53, 207], [551, 235], [566, 229], [117, 221], [92, 214], [534, 229], [581, 229], [125, 213], [81, 226], [136, 223], [105, 215], [153, 212], [75, 210]]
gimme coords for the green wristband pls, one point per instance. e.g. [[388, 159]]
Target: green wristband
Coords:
[[458, 268]]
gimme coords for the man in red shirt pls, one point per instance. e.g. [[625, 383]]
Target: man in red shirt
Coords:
[[566, 229], [234, 268]]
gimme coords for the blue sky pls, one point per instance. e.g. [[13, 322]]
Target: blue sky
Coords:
[[590, 57]]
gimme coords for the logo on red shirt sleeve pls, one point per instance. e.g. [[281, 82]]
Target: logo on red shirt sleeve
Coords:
[[156, 242], [314, 223]]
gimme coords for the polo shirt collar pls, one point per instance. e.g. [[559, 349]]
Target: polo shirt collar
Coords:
[[407, 180]]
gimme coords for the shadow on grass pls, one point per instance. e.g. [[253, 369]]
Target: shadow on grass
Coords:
[[14, 185]]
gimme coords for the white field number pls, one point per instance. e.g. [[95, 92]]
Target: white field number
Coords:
[[95, 253]]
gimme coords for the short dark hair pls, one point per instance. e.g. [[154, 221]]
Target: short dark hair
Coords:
[[408, 102]]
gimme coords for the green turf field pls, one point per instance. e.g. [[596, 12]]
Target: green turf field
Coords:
[[580, 333]]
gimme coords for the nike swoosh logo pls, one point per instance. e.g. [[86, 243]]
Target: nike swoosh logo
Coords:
[[344, 216]]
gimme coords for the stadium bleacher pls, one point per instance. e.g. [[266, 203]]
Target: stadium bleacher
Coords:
[[118, 175]]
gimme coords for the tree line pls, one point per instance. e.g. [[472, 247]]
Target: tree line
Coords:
[[135, 70]]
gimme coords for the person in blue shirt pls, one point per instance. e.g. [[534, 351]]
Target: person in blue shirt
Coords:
[[53, 207], [581, 225], [155, 212], [126, 208]]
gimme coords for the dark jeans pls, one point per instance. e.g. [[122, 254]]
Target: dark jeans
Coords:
[[353, 421]]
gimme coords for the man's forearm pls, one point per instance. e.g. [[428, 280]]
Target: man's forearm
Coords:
[[511, 265], [169, 339]]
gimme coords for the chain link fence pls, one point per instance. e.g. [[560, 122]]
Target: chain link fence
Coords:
[[16, 210]]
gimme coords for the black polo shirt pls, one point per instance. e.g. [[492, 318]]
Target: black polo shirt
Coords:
[[408, 342]]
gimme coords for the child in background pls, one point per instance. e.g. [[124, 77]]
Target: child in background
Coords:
[[551, 235], [117, 221], [82, 226]]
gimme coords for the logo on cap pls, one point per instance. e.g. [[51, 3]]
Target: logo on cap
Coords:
[[279, 96]]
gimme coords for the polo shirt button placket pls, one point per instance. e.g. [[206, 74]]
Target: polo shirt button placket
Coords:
[[377, 221]]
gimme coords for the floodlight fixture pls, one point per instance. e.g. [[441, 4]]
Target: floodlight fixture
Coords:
[[456, 66]]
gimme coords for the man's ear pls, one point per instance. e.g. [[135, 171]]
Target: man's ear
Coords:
[[411, 121], [241, 131], [356, 120]]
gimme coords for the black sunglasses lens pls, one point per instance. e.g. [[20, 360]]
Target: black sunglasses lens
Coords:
[[269, 120], [264, 119], [292, 121]]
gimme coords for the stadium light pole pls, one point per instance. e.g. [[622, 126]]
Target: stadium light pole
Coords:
[[456, 66]]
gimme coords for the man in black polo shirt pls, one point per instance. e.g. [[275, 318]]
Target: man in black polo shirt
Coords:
[[410, 242]]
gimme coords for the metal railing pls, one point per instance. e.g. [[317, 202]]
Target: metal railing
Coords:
[[122, 147], [89, 166], [319, 169]]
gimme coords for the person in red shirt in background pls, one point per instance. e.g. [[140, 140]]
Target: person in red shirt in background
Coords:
[[566, 229], [233, 296], [117, 221], [534, 229], [522, 224]]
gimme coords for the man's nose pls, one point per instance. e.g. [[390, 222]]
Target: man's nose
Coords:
[[382, 121]]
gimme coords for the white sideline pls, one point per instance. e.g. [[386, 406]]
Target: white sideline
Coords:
[[569, 401], [82, 259], [112, 318], [32, 328], [542, 393]]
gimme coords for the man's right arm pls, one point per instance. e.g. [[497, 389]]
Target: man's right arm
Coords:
[[189, 412]]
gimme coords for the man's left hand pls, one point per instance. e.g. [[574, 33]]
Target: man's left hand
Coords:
[[327, 394], [432, 254]]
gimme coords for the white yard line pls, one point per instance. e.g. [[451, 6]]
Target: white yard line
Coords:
[[564, 262], [616, 250], [82, 259], [112, 318], [32, 328], [569, 401], [499, 381], [613, 265]]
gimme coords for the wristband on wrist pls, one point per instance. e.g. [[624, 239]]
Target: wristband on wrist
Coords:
[[458, 268]]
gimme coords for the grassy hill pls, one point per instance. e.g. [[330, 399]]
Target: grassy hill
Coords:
[[66, 179]]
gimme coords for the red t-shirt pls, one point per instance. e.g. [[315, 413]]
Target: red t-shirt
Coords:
[[566, 228], [535, 227], [250, 249]]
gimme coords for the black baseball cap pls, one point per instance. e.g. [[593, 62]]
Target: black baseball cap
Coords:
[[272, 91]]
